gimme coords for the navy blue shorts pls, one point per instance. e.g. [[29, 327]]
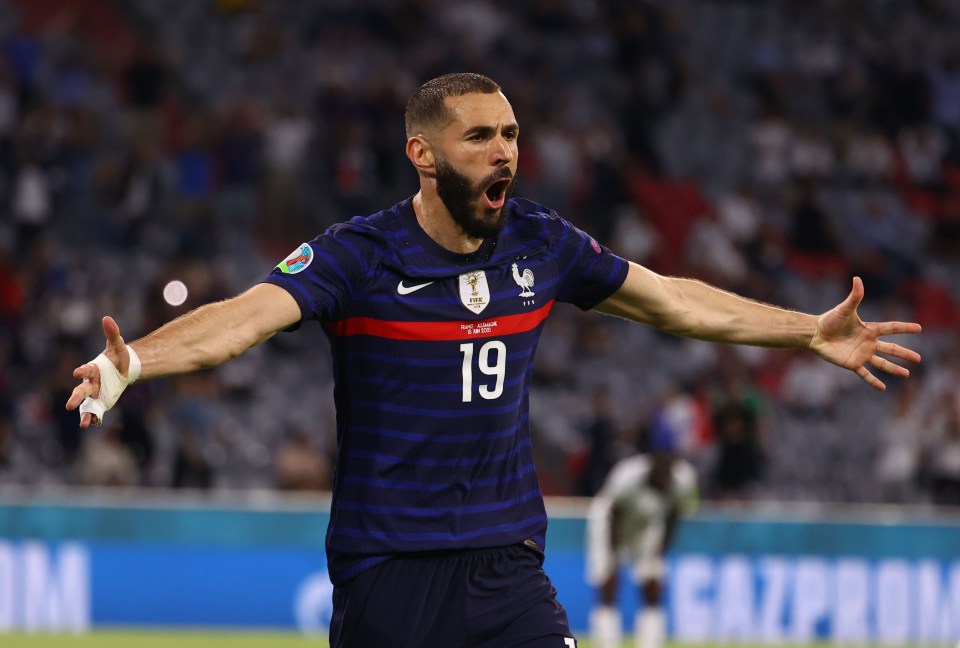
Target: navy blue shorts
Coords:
[[490, 598]]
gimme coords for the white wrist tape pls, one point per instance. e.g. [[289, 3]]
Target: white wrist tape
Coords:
[[112, 384]]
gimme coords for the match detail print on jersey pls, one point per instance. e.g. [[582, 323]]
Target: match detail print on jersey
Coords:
[[439, 331], [406, 290], [298, 260]]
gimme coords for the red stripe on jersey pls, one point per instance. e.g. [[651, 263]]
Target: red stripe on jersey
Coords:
[[440, 331]]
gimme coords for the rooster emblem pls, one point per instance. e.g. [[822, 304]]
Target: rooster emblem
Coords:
[[525, 281]]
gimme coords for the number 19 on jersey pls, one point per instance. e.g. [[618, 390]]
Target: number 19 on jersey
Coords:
[[496, 369]]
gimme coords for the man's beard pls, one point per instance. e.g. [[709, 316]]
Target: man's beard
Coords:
[[464, 200]]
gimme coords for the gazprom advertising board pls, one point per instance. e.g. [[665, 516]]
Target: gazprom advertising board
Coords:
[[70, 567], [852, 578]]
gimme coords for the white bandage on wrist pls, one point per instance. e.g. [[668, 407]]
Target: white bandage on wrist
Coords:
[[112, 384]]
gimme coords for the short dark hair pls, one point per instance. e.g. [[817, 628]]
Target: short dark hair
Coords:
[[426, 107]]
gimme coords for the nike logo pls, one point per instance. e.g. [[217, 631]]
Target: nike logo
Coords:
[[406, 290]]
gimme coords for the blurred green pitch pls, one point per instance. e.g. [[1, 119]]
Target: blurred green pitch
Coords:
[[145, 639], [255, 640]]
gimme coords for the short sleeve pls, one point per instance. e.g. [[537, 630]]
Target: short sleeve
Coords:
[[687, 492], [590, 272], [624, 479], [322, 275]]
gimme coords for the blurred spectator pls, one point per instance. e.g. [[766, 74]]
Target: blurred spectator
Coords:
[[942, 381], [354, 168], [885, 261], [144, 84], [32, 200], [24, 53], [287, 137], [195, 164], [300, 466], [143, 183], [6, 442], [900, 445], [818, 55], [809, 390], [6, 421], [739, 453], [713, 256], [868, 157], [13, 286], [740, 214], [59, 386], [923, 148], [945, 85], [739, 417], [771, 139], [106, 462], [555, 144], [814, 240], [601, 436], [239, 152], [810, 154], [633, 237], [190, 467], [848, 92], [136, 433], [683, 418], [9, 117], [942, 455]]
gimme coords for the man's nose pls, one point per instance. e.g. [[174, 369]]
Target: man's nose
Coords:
[[502, 151]]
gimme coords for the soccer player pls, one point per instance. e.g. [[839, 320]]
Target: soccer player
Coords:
[[633, 519], [433, 308]]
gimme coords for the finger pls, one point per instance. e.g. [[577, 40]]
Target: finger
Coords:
[[86, 419], [893, 328], [890, 367], [89, 373], [111, 330], [80, 392], [897, 351], [870, 379], [854, 298]]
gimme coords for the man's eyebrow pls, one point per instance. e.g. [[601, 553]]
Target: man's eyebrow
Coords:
[[487, 131]]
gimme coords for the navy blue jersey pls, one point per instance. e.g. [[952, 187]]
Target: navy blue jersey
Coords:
[[432, 352]]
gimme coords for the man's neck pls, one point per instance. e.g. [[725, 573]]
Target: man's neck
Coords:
[[439, 225]]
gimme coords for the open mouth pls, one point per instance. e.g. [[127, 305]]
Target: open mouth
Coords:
[[496, 194]]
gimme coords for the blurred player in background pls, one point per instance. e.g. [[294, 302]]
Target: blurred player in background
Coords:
[[632, 520], [434, 308]]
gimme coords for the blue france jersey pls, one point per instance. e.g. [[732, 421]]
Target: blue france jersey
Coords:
[[432, 353]]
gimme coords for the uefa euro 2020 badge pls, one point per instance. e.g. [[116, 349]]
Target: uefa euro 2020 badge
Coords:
[[298, 260]]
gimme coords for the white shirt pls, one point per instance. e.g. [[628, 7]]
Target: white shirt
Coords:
[[638, 505]]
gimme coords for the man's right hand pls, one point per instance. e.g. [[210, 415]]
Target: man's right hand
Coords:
[[116, 352]]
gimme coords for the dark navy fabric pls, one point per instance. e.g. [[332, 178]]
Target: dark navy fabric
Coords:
[[432, 353], [494, 598]]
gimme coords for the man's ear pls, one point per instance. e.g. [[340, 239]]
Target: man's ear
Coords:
[[420, 153]]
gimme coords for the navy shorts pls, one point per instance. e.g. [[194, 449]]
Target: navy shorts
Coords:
[[490, 598]]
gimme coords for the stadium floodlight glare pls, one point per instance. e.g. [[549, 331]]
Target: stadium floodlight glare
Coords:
[[175, 292]]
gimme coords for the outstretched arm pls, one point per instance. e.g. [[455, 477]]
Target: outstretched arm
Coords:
[[694, 309], [203, 338]]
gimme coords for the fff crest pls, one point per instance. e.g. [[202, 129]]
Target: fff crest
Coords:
[[474, 290]]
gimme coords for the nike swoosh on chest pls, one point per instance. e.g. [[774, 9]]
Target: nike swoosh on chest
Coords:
[[406, 290]]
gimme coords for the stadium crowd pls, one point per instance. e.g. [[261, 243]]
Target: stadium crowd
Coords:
[[801, 143]]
